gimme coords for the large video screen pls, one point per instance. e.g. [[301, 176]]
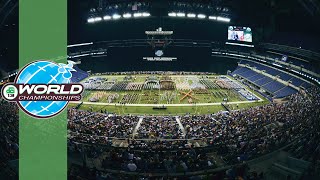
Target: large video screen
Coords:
[[236, 33]]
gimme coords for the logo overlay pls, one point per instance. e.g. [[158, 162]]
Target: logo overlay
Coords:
[[43, 89]]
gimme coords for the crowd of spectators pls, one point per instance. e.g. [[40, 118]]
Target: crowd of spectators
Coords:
[[188, 159], [159, 127], [236, 136], [98, 127], [9, 147]]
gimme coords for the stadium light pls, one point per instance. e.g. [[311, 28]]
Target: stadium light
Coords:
[[91, 20], [137, 14], [82, 44], [238, 44], [116, 16], [127, 15], [223, 19], [106, 17], [80, 55], [191, 15], [172, 14], [201, 16], [146, 14], [180, 14], [213, 17], [97, 19]]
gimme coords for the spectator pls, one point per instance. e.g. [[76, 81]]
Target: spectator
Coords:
[[132, 166]]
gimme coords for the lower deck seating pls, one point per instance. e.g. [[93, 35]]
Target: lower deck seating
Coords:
[[285, 76], [256, 77], [272, 86], [286, 91], [272, 71], [297, 82], [305, 85], [263, 81]]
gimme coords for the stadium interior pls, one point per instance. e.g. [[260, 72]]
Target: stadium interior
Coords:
[[184, 89]]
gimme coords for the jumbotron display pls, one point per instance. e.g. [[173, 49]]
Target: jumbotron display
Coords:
[[236, 33]]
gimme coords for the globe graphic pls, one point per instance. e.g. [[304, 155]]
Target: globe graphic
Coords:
[[44, 72]]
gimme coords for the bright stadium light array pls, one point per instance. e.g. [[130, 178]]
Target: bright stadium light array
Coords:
[[199, 16], [146, 14], [106, 18], [11, 75], [172, 14], [223, 19], [213, 17], [82, 44], [127, 15], [137, 14], [97, 19], [180, 14], [191, 15], [118, 16], [91, 20]]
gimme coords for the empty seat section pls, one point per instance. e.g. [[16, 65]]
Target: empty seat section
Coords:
[[256, 77], [273, 86], [248, 74], [272, 71], [306, 85], [285, 76], [285, 92], [297, 82], [263, 81], [240, 70]]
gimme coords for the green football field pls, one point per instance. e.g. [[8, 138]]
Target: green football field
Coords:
[[180, 99]]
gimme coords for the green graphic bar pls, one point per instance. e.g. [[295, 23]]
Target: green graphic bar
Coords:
[[43, 143]]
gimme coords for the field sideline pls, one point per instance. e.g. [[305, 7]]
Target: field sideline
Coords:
[[171, 110]]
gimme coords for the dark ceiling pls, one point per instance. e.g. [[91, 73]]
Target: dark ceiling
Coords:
[[284, 14], [267, 16], [8, 36], [271, 19]]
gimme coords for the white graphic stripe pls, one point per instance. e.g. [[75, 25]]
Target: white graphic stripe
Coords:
[[53, 78], [46, 108], [40, 68], [28, 104]]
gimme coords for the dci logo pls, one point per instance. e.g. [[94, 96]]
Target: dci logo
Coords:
[[43, 89]]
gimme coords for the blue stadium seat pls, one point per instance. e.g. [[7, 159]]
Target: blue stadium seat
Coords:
[[78, 75], [286, 91], [297, 82], [273, 86], [263, 81], [273, 72], [285, 76], [239, 70], [248, 73], [256, 77], [306, 85]]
